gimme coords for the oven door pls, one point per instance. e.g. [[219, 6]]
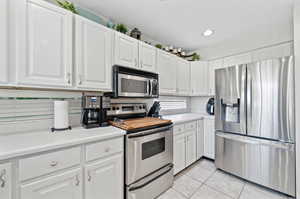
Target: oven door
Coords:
[[133, 86], [148, 151]]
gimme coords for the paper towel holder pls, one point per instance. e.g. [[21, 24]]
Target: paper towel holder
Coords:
[[64, 129]]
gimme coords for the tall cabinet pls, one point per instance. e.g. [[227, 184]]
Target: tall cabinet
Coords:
[[199, 78], [93, 55], [44, 39], [183, 77], [4, 41], [213, 65]]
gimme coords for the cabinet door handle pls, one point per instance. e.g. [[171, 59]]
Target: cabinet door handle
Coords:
[[107, 150], [77, 181], [89, 176], [135, 62], [80, 80], [141, 63], [53, 163], [69, 78], [2, 178]]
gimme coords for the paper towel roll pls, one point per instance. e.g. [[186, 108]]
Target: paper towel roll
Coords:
[[61, 115]]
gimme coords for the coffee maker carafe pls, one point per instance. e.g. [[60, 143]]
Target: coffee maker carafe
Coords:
[[94, 111]]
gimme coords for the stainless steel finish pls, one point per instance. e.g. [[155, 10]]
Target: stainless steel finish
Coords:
[[153, 185], [230, 99], [124, 109], [145, 93], [91, 102], [270, 97], [268, 163], [262, 150], [136, 166]]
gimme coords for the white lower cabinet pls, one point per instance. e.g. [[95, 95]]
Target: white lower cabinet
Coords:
[[105, 178], [191, 148], [67, 185], [5, 181], [200, 139], [209, 138], [179, 153], [185, 146]]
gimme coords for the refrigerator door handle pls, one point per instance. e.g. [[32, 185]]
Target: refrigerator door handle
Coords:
[[243, 113]]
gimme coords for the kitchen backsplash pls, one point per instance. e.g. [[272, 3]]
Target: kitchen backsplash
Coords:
[[29, 111]]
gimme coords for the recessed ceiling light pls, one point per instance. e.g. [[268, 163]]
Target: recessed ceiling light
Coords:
[[208, 33]]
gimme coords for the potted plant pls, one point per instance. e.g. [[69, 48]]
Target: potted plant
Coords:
[[121, 28], [67, 5]]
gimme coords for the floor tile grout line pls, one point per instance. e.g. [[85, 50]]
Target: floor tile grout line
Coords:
[[242, 190], [180, 193]]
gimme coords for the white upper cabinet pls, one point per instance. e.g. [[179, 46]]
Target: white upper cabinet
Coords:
[[105, 178], [273, 52], [147, 57], [126, 51], [166, 67], [44, 36], [238, 59], [4, 41], [65, 186], [183, 77], [199, 78], [93, 55], [213, 65], [5, 181]]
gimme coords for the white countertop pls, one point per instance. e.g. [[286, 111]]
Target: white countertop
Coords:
[[12, 146], [186, 117]]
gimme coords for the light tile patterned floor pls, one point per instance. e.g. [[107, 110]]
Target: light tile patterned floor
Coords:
[[203, 181]]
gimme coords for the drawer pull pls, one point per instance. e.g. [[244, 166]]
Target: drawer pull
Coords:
[[53, 163], [89, 176], [107, 150], [2, 178], [77, 181]]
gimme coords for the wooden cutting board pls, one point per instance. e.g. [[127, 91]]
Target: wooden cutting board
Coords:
[[132, 124]]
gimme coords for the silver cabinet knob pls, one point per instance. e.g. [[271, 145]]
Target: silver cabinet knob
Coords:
[[53, 163], [107, 150], [2, 178], [77, 181]]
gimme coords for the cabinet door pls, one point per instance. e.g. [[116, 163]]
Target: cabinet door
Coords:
[[199, 78], [191, 147], [126, 50], [5, 181], [179, 153], [213, 65], [200, 139], [4, 41], [65, 186], [166, 64], [104, 179], [209, 138], [183, 77], [147, 57], [93, 55], [45, 44]]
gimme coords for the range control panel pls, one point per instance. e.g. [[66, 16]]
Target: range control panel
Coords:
[[125, 109]]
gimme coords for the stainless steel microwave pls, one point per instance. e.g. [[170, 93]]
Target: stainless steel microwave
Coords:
[[129, 82]]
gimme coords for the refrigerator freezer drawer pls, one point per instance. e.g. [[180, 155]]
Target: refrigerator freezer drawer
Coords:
[[268, 163]]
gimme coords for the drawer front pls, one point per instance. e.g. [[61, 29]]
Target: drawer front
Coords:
[[190, 126], [47, 163], [178, 129], [104, 148]]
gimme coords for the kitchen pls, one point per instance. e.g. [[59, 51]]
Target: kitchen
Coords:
[[92, 108]]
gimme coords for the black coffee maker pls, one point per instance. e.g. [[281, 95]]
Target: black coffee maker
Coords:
[[94, 111]]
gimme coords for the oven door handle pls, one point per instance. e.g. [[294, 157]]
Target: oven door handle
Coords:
[[153, 179], [150, 132]]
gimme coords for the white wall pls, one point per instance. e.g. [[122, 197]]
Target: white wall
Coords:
[[297, 88], [198, 104]]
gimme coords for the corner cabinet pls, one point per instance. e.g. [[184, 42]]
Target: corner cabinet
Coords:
[[4, 41], [93, 55], [105, 178], [126, 51], [167, 70], [183, 77], [5, 181], [199, 78], [67, 185], [44, 39]]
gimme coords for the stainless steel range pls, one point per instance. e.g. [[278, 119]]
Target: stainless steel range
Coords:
[[148, 151]]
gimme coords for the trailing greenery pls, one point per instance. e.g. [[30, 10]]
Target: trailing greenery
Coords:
[[158, 46], [195, 57], [121, 28], [67, 5]]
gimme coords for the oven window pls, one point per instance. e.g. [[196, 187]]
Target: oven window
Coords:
[[152, 148], [133, 86]]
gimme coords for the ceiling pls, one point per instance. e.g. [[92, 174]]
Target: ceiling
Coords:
[[182, 22]]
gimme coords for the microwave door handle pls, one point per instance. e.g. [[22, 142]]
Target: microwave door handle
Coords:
[[151, 87]]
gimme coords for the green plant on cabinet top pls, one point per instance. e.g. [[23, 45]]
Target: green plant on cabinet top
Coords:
[[67, 5]]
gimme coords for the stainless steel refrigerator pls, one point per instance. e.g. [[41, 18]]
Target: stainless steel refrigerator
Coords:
[[255, 125]]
